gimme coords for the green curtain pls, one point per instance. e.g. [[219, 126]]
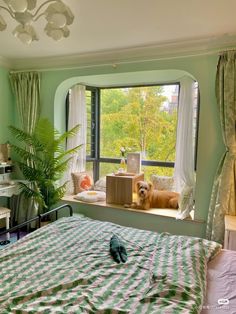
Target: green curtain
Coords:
[[223, 198], [26, 88]]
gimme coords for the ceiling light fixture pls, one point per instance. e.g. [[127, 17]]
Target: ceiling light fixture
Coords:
[[57, 14]]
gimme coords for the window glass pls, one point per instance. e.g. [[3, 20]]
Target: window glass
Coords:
[[142, 119], [161, 171], [107, 168]]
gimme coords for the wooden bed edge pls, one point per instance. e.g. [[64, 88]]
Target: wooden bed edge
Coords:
[[37, 218]]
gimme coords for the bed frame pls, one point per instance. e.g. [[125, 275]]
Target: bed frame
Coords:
[[37, 219]]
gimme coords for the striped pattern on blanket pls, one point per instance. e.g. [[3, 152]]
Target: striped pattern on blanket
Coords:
[[66, 267]]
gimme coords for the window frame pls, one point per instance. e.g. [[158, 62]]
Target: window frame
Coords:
[[197, 127], [96, 158]]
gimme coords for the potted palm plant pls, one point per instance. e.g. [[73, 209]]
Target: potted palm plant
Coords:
[[43, 161]]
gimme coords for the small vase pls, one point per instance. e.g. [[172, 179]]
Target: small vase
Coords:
[[122, 165]]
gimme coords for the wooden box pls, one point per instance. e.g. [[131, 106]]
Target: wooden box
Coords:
[[120, 188]]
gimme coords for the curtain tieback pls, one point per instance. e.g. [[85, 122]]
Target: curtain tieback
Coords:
[[232, 150]]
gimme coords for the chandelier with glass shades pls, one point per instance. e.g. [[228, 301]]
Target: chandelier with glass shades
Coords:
[[58, 16]]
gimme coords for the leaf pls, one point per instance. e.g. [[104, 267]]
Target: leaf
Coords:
[[43, 161]]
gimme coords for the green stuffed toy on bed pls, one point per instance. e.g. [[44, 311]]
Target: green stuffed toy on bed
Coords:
[[117, 250]]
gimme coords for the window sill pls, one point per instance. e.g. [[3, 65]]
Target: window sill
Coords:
[[170, 213]]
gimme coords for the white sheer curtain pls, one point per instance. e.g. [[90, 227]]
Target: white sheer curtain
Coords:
[[77, 115], [184, 175]]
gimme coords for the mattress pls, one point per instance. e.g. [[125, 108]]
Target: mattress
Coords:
[[221, 284], [66, 267]]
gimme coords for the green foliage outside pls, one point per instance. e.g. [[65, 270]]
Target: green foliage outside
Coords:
[[134, 118]]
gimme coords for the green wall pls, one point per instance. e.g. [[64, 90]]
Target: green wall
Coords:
[[55, 83], [7, 115]]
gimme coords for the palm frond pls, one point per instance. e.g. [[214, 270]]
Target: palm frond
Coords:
[[30, 172], [24, 137], [43, 161], [60, 191], [61, 167], [29, 192], [68, 134], [25, 153], [68, 152]]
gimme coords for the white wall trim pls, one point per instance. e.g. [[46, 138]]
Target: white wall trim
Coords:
[[166, 50]]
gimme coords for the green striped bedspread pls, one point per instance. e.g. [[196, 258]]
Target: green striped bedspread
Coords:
[[66, 267]]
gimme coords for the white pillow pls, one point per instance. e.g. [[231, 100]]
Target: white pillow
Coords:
[[100, 185], [91, 196], [162, 182]]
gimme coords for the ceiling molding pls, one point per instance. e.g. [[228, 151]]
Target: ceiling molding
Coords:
[[166, 50]]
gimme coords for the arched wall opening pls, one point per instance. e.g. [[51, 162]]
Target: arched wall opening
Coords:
[[111, 80]]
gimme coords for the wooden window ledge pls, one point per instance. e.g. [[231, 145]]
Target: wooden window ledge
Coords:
[[171, 213]]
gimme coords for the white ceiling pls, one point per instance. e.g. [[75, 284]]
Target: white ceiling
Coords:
[[131, 26]]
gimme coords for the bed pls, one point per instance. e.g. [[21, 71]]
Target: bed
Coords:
[[66, 267]]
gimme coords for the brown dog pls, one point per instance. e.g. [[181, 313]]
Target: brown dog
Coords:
[[150, 198]]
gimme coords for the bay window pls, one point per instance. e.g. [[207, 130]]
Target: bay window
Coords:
[[138, 118]]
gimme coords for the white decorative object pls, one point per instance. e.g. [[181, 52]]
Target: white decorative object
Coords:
[[134, 163], [91, 196], [57, 15]]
